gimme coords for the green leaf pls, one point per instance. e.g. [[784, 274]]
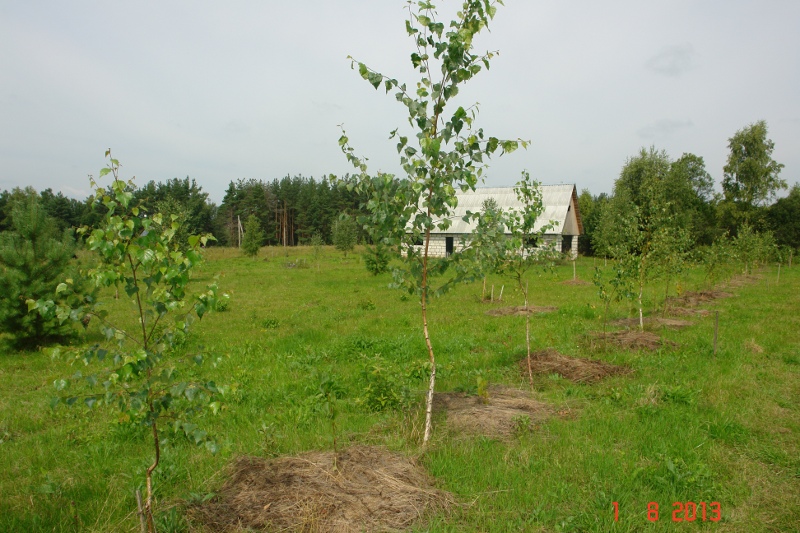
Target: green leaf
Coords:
[[59, 289]]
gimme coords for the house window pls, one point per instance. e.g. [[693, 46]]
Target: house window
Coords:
[[448, 245]]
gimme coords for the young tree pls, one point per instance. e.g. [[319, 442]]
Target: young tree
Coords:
[[512, 243], [316, 246], [344, 234], [752, 177], [641, 221], [140, 375], [444, 154], [253, 236], [34, 257]]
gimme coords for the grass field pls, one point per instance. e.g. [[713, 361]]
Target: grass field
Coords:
[[684, 426]]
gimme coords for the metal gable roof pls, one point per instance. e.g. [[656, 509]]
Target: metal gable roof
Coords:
[[556, 199]]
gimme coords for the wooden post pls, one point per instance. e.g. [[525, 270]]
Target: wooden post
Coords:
[[493, 292], [501, 293], [140, 512], [716, 331], [777, 282], [483, 294], [574, 271]]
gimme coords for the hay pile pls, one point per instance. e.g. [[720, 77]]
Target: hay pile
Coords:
[[520, 310], [652, 321], [501, 414], [631, 339], [572, 368], [370, 489]]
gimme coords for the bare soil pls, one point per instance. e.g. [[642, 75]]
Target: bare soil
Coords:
[[369, 489], [631, 339], [520, 310], [505, 411], [572, 368], [652, 321]]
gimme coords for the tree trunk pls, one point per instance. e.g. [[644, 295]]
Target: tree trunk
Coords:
[[148, 504], [432, 383], [528, 336], [641, 317]]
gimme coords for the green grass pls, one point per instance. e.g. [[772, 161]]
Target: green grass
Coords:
[[685, 426]]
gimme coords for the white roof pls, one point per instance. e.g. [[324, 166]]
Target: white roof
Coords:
[[560, 208]]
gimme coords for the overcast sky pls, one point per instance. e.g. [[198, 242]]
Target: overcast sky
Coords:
[[256, 89]]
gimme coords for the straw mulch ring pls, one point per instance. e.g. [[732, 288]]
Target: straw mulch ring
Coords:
[[520, 310], [743, 280], [369, 489], [687, 311], [693, 299], [575, 369], [652, 321], [501, 414], [632, 339], [575, 282]]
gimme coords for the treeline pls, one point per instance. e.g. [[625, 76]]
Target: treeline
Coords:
[[290, 210], [680, 192], [677, 197]]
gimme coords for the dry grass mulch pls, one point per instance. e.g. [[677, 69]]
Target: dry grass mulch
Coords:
[[693, 299], [505, 411], [652, 321], [572, 368], [742, 281], [369, 489], [687, 311], [631, 339], [578, 282], [520, 310]]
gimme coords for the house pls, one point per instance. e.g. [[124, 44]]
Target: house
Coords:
[[560, 209]]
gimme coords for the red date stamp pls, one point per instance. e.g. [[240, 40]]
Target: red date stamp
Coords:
[[682, 511]]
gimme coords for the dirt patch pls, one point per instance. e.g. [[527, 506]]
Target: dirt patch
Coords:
[[572, 368], [370, 489], [575, 282], [693, 299], [520, 310], [504, 412], [687, 311], [652, 321], [632, 340]]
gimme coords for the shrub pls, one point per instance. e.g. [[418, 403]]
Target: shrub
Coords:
[[34, 258], [344, 234], [253, 236], [376, 259]]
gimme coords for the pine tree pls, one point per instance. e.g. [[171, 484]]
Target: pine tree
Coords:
[[34, 258], [253, 236]]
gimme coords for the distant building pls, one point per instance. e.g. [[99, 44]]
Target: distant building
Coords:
[[560, 207]]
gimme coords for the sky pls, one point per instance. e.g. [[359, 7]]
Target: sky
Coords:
[[219, 91]]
